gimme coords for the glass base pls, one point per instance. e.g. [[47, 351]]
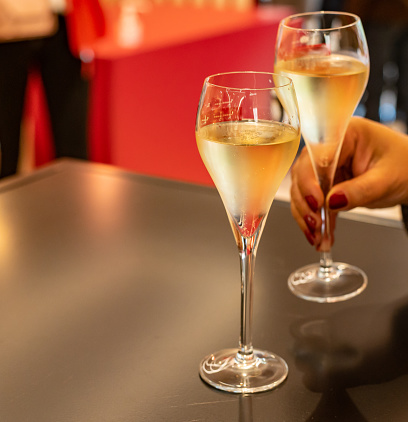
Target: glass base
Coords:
[[340, 282], [228, 371]]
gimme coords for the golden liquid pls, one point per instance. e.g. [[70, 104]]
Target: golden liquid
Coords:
[[328, 90], [247, 162]]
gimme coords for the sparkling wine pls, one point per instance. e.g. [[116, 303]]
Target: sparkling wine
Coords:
[[247, 161], [328, 88]]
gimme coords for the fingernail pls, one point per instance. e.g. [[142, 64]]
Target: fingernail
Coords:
[[337, 200], [310, 222], [310, 238], [312, 202]]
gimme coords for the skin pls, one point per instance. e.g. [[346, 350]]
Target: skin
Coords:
[[372, 172]]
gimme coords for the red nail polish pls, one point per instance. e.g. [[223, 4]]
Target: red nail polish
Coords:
[[312, 202], [310, 238], [310, 222], [338, 200]]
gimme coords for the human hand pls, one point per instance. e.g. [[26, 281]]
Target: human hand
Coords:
[[372, 172]]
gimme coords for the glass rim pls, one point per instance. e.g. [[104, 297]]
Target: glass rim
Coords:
[[321, 13], [288, 82]]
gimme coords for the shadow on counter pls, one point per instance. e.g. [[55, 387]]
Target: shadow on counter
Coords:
[[353, 347]]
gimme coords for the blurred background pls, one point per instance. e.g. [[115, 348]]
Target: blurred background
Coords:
[[143, 63]]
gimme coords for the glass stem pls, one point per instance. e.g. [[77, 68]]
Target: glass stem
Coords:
[[247, 252], [326, 260]]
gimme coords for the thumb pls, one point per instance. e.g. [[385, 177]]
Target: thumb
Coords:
[[365, 190]]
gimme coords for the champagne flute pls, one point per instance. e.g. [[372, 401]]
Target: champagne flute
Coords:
[[248, 133], [326, 56]]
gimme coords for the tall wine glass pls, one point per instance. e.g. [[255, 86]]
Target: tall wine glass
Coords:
[[326, 55], [247, 132]]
